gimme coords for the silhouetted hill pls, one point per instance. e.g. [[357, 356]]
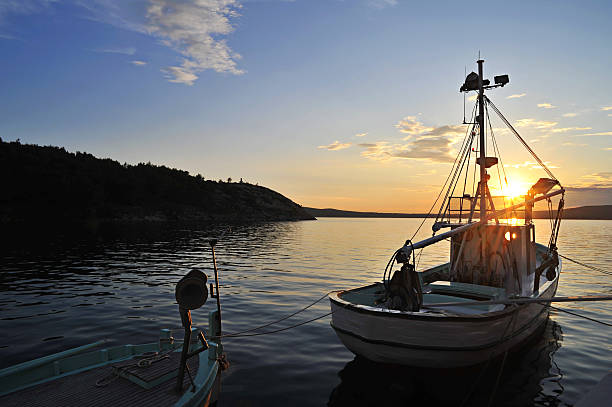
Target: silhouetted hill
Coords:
[[50, 183], [602, 212]]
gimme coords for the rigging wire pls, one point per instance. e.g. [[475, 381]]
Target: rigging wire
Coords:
[[533, 154], [455, 168]]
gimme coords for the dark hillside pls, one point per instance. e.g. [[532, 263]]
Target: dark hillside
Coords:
[[50, 183]]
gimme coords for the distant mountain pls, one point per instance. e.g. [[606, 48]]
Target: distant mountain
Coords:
[[49, 183], [602, 212]]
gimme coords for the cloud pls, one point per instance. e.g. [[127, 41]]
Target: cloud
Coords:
[[336, 145], [436, 149], [193, 28], [604, 133], [570, 144], [113, 12], [382, 3], [138, 63], [578, 195], [570, 114], [23, 7], [380, 151], [122, 51], [605, 108], [566, 129], [530, 165], [535, 124], [516, 96], [8, 37], [437, 145], [546, 106], [410, 125], [361, 134], [597, 180]]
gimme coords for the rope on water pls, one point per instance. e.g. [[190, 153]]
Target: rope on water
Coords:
[[580, 315], [236, 335], [587, 265], [242, 333]]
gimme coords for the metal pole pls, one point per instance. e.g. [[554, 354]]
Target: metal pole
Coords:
[[212, 245], [483, 152], [483, 180], [186, 319]]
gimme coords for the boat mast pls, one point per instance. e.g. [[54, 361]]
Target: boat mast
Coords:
[[483, 168], [483, 152]]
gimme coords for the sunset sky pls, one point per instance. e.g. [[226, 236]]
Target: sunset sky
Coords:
[[348, 104]]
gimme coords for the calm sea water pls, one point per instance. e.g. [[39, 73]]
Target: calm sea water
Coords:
[[63, 289]]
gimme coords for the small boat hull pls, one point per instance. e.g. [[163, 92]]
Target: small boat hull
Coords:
[[435, 340]]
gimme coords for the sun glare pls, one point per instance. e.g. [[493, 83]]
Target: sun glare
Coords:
[[516, 188]]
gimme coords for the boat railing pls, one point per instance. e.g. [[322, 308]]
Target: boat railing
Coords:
[[463, 209]]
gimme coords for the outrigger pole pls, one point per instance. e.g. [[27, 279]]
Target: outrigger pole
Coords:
[[409, 247]]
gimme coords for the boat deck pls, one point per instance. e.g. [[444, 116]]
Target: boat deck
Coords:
[[81, 389], [435, 292]]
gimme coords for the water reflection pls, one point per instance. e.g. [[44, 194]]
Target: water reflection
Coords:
[[529, 377], [64, 286]]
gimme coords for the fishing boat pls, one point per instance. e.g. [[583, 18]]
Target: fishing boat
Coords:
[[167, 372], [491, 295]]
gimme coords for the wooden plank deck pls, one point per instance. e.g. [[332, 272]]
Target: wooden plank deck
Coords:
[[81, 390]]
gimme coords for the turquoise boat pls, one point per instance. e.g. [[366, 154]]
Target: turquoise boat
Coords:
[[168, 372]]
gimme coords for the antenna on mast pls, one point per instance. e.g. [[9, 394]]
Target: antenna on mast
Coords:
[[464, 75]]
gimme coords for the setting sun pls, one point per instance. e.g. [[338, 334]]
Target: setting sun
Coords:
[[515, 188]]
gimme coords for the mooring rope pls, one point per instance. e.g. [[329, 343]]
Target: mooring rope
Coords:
[[586, 265], [245, 332], [580, 315], [249, 332]]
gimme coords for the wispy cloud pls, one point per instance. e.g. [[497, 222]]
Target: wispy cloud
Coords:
[[597, 180], [566, 129], [530, 165], [23, 7], [382, 3], [603, 133], [535, 124], [516, 96], [570, 144], [570, 114], [193, 29], [122, 51], [336, 145], [411, 125], [138, 63], [361, 134], [546, 106], [605, 108]]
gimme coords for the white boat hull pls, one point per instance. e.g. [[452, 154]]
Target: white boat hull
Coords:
[[436, 340]]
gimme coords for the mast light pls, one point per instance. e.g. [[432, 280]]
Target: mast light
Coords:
[[501, 80]]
